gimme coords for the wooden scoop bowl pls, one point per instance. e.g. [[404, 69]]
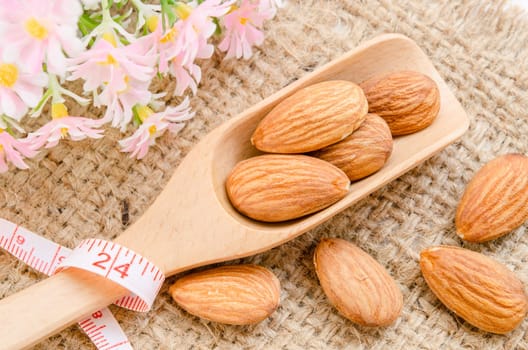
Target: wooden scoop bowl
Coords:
[[192, 223]]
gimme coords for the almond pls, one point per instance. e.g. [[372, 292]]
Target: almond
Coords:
[[356, 284], [312, 118], [283, 187], [477, 288], [238, 295], [495, 201], [363, 152], [408, 101]]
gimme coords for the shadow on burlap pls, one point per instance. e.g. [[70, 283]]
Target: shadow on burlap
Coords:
[[90, 189]]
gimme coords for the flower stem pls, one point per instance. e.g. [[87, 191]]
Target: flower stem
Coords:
[[107, 17], [54, 86]]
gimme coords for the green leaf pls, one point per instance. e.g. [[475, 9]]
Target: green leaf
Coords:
[[10, 131], [167, 14], [218, 29], [136, 120], [86, 23], [121, 4]]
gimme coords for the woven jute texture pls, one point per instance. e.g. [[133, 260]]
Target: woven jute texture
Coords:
[[90, 189]]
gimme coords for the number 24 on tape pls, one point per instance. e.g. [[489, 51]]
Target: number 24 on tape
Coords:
[[103, 258]]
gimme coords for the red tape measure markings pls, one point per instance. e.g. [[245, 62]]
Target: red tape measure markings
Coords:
[[142, 278], [44, 256]]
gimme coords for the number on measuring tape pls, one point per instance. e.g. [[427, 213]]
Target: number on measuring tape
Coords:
[[100, 263], [121, 265], [122, 269], [44, 256]]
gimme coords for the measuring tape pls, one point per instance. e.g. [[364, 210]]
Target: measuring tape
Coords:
[[110, 260]]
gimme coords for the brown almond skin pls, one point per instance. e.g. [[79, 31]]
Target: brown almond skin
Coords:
[[475, 287], [356, 284], [495, 201], [312, 118], [276, 187], [363, 152], [237, 295], [408, 101]]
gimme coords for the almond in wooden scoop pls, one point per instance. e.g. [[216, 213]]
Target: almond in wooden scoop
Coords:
[[276, 187], [356, 284], [363, 152], [477, 288], [408, 101], [238, 295], [495, 201], [312, 118]]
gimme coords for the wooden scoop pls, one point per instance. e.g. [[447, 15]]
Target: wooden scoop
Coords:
[[192, 223]]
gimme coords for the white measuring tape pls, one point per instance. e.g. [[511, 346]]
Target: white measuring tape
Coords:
[[110, 260]]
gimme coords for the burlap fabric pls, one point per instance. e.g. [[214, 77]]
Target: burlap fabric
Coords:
[[90, 189]]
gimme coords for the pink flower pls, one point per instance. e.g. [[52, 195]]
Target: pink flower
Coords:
[[196, 26], [37, 32], [154, 125], [106, 64], [123, 73], [119, 102], [171, 57], [187, 76], [62, 126], [13, 151], [163, 42], [179, 46], [19, 90], [243, 30]]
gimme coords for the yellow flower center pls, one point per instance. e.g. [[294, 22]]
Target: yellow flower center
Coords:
[[152, 130], [152, 23], [64, 132], [59, 110], [143, 112], [243, 20], [36, 29], [110, 37], [110, 60], [182, 10], [8, 74], [169, 36], [126, 80]]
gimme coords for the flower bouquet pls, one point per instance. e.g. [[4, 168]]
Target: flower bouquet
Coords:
[[115, 48]]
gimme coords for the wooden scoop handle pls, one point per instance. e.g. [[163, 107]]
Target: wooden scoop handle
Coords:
[[69, 297]]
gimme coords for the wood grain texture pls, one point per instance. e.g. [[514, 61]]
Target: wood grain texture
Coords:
[[408, 101], [363, 152], [312, 118], [495, 201], [275, 188], [477, 288], [236, 294], [191, 222], [356, 284]]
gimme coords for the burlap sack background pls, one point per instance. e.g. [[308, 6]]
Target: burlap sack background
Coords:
[[90, 189]]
